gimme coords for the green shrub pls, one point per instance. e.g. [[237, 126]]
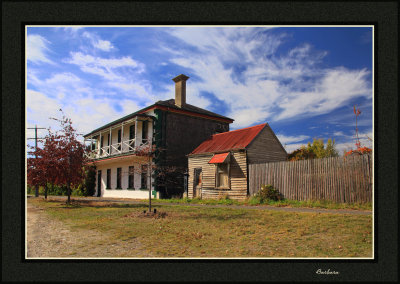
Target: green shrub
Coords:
[[268, 192], [186, 200], [56, 190], [30, 189], [90, 181], [255, 200], [78, 191]]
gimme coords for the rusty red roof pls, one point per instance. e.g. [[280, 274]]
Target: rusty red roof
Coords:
[[236, 139]]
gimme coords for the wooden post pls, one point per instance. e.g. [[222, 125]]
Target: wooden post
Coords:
[[122, 136], [36, 186], [109, 143], [136, 132]]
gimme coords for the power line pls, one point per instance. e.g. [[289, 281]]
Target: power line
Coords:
[[36, 139]]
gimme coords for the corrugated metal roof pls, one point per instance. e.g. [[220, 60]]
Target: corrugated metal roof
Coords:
[[236, 139], [218, 158]]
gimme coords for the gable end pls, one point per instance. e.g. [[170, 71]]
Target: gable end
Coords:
[[265, 148]]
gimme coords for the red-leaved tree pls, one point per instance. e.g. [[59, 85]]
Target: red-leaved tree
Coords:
[[71, 156], [61, 159], [360, 150], [44, 169]]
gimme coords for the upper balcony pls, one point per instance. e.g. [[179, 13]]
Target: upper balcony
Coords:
[[122, 138]]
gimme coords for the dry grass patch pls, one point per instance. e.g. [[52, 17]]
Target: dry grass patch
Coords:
[[185, 231]]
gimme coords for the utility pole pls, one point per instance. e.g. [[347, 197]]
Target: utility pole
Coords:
[[36, 139]]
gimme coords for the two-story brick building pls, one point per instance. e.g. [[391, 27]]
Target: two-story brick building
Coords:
[[173, 128]]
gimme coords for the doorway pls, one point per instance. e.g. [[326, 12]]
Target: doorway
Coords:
[[197, 183], [98, 183]]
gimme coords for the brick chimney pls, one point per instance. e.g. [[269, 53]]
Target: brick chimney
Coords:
[[180, 90]]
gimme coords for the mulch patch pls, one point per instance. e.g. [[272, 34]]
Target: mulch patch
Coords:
[[142, 214]]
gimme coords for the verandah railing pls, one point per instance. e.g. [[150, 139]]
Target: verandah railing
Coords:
[[115, 149]]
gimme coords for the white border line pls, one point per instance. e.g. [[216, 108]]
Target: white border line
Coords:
[[212, 258]]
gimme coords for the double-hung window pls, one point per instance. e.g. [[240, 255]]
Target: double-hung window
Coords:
[[131, 177], [222, 178], [119, 140], [143, 181], [119, 177], [145, 129], [131, 136], [109, 178], [222, 170]]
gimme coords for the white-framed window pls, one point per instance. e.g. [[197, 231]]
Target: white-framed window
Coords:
[[222, 179], [131, 177]]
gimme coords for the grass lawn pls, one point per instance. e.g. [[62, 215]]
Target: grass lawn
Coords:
[[280, 203], [185, 231]]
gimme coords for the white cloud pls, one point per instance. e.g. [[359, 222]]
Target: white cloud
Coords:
[[104, 45], [104, 67], [72, 29], [268, 86], [97, 42], [121, 74], [85, 117], [292, 147], [289, 139], [338, 133], [63, 78], [37, 49], [335, 88]]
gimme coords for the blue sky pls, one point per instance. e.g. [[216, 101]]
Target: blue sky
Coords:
[[303, 81]]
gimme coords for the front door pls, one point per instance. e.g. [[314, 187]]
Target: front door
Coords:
[[197, 183], [98, 183]]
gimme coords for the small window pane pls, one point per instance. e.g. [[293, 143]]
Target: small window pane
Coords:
[[131, 177], [108, 178], [119, 177]]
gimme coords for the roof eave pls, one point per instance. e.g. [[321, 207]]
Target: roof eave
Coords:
[[115, 122], [216, 152], [139, 112]]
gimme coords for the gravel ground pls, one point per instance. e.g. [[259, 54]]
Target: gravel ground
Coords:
[[50, 238]]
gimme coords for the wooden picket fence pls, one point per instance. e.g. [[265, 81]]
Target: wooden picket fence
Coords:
[[342, 179]]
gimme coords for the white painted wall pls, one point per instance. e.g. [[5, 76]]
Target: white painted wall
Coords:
[[124, 192]]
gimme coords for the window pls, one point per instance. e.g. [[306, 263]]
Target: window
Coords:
[[99, 183], [197, 177], [118, 177], [143, 182], [108, 178], [145, 127], [131, 132], [93, 146], [222, 175], [131, 136], [119, 139], [131, 177]]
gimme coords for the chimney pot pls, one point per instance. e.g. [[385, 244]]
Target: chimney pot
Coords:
[[180, 90]]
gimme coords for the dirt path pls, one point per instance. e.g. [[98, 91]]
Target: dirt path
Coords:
[[49, 238]]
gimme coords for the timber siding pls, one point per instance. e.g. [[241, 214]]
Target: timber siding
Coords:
[[238, 176], [265, 148], [184, 133]]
